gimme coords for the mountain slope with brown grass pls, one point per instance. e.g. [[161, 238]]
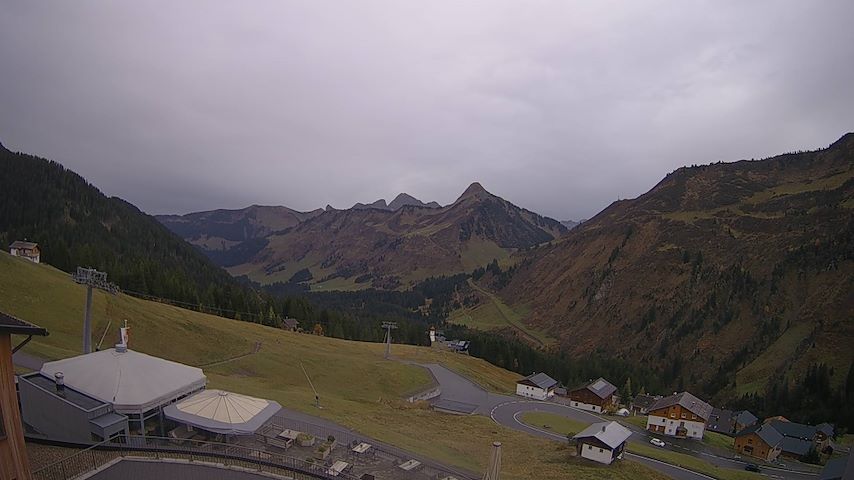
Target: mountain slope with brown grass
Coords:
[[720, 277], [376, 247]]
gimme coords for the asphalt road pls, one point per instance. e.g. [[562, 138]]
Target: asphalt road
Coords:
[[505, 410]]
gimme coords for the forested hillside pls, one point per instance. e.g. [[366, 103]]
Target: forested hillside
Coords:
[[77, 225], [727, 279]]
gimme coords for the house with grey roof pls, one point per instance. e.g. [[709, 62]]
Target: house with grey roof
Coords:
[[595, 396], [537, 385], [759, 441], [602, 442], [26, 250], [838, 468], [743, 419], [641, 403], [681, 415], [720, 421]]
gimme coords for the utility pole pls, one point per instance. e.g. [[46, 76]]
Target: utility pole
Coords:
[[92, 279], [493, 470], [388, 326], [316, 396]]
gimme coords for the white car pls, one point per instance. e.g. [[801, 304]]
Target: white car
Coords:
[[657, 442]]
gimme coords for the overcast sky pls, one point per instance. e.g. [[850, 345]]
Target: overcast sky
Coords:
[[560, 107]]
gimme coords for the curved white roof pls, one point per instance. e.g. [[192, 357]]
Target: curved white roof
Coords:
[[131, 381], [223, 412]]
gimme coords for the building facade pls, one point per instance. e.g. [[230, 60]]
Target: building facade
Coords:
[[26, 250], [538, 386], [759, 441], [14, 463], [596, 396], [680, 415], [602, 442]]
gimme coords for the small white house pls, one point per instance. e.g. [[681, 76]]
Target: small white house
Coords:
[[27, 250], [602, 442], [537, 385]]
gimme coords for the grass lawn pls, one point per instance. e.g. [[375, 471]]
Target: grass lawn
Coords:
[[638, 421], [715, 439], [494, 314], [357, 387], [552, 422], [690, 462]]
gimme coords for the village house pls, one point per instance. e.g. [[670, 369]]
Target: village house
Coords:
[[720, 421], [641, 403], [537, 385], [838, 468], [596, 396], [759, 441], [602, 442], [800, 439], [680, 415], [27, 250], [13, 453], [743, 419], [290, 324]]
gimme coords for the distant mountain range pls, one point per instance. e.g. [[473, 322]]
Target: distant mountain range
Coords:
[[400, 201], [380, 245], [722, 275]]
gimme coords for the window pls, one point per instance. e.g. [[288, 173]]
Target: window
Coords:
[[600, 450], [589, 447], [750, 440], [684, 415]]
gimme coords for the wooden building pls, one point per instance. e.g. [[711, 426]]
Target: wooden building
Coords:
[[13, 453], [595, 396], [759, 441], [27, 250], [680, 415]]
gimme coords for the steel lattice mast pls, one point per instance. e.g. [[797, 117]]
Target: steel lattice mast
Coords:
[[92, 279]]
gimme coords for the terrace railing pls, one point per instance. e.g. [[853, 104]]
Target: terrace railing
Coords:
[[156, 448]]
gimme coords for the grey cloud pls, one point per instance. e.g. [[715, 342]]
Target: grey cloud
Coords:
[[561, 107]]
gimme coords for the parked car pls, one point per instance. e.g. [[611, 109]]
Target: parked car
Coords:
[[752, 467], [657, 442]]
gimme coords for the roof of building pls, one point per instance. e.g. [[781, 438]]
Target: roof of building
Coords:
[[838, 468], [600, 387], [25, 245], [720, 420], [72, 396], [767, 433], [744, 417], [540, 380], [644, 401], [796, 446], [290, 322], [129, 380], [794, 430], [825, 428], [610, 433], [10, 324], [223, 412], [687, 401]]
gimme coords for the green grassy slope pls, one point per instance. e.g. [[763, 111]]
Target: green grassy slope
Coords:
[[357, 387]]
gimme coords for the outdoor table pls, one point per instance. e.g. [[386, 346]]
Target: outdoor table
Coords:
[[409, 465], [337, 468], [362, 447]]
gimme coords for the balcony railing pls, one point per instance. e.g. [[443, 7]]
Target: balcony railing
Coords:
[[229, 455]]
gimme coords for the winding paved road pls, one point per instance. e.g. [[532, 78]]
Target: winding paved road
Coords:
[[506, 410]]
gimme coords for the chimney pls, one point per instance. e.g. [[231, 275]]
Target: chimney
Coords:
[[59, 378]]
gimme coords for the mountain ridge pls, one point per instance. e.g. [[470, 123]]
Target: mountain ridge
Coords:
[[712, 267], [369, 245]]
